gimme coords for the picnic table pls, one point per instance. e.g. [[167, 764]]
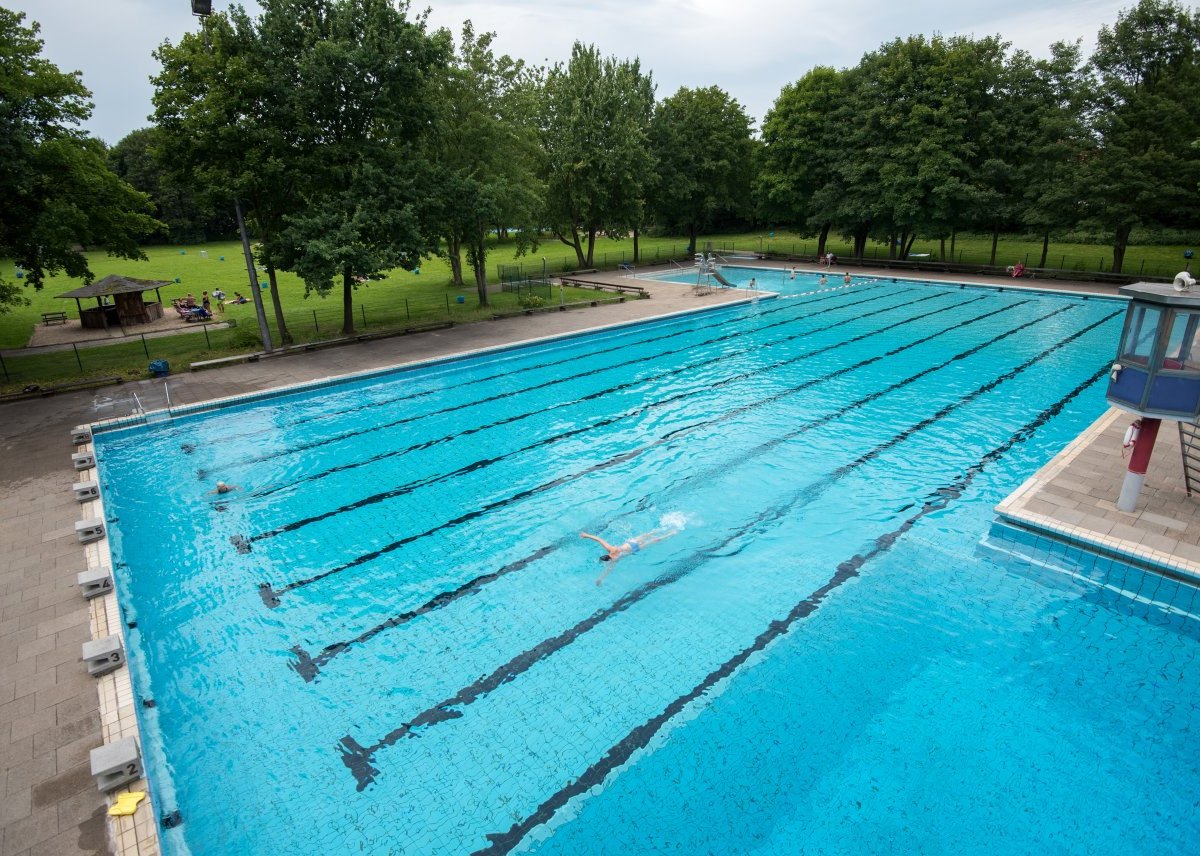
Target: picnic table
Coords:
[[54, 318]]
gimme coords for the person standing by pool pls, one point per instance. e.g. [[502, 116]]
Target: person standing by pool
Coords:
[[205, 302], [219, 296]]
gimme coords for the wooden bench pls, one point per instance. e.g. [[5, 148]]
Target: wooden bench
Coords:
[[54, 318], [599, 285]]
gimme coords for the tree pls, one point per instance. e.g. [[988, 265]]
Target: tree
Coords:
[[597, 156], [700, 141], [1144, 116], [362, 101], [799, 146], [59, 194], [485, 154], [188, 218], [225, 126]]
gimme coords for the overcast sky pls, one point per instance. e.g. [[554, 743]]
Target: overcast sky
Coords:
[[749, 48]]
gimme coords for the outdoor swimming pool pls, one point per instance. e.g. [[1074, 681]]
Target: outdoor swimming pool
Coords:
[[390, 638]]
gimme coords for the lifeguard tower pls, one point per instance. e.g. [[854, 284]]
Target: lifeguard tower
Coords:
[[1156, 375]]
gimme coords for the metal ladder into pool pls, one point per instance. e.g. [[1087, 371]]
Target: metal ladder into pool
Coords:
[[1189, 447]]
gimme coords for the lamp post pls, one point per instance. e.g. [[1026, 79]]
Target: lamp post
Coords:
[[202, 9]]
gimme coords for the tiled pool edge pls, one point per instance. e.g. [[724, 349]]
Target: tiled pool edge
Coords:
[[1015, 511], [136, 834]]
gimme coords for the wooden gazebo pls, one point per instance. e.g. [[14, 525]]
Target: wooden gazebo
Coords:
[[128, 306]]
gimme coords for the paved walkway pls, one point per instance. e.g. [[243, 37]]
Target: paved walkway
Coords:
[[48, 705], [1073, 498]]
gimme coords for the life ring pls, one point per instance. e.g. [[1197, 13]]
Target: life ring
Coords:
[[1184, 281], [1131, 436]]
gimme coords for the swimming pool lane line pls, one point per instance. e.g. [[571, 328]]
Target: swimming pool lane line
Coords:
[[309, 667], [394, 453], [270, 594], [358, 757], [325, 441], [599, 352], [638, 738], [482, 463]]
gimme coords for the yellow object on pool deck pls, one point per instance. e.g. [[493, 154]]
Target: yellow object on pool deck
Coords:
[[127, 803]]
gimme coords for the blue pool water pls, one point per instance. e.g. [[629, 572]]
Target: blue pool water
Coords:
[[390, 638]]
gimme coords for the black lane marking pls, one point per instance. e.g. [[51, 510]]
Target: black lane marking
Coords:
[[270, 595], [395, 453], [483, 463], [325, 441], [619, 754], [309, 667], [600, 352], [358, 757]]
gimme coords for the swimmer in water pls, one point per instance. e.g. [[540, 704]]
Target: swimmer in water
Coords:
[[222, 487], [629, 547]]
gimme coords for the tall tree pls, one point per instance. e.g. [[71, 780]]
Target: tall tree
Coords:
[[485, 152], [597, 156], [800, 139], [362, 101], [700, 141], [227, 127], [1145, 118], [59, 193]]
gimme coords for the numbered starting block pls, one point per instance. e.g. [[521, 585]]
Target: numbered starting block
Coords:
[[88, 530], [103, 655], [116, 764], [86, 490], [95, 582]]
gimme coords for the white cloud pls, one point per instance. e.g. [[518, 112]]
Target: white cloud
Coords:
[[750, 49]]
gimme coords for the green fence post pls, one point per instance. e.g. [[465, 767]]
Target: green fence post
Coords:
[[207, 343], [364, 314], [76, 350], [407, 314], [3, 366], [145, 347], [447, 305], [316, 324], [1142, 269]]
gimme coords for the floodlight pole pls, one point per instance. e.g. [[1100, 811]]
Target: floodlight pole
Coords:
[[263, 330]]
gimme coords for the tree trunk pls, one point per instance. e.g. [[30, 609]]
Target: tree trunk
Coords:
[[860, 240], [891, 246], [912, 239], [953, 239], [285, 337], [454, 255], [691, 250], [942, 249], [995, 240], [591, 251], [481, 277], [1120, 242], [347, 302], [637, 256], [1045, 249], [578, 245], [823, 238]]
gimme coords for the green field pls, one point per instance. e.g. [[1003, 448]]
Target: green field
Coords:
[[404, 298]]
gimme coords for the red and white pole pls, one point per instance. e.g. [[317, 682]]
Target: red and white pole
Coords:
[[1139, 462]]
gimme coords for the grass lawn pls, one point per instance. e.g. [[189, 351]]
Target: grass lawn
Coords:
[[404, 298]]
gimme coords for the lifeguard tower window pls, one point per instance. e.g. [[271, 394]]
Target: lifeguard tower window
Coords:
[[1182, 351], [1139, 335]]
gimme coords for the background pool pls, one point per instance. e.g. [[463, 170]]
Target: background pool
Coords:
[[390, 638]]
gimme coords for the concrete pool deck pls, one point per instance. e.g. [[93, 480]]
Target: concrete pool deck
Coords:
[[50, 707]]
